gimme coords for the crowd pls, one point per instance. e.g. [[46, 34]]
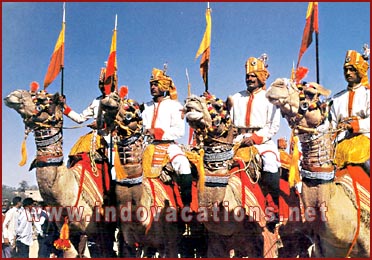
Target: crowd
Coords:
[[22, 220]]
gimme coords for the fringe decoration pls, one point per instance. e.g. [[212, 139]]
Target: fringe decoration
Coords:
[[294, 174], [63, 242], [23, 152], [198, 160], [120, 171], [201, 170], [147, 162]]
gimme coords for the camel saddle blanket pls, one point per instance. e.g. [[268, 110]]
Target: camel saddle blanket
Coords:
[[246, 153], [84, 144], [285, 159], [91, 183], [161, 195], [154, 158], [354, 150], [250, 196], [356, 174]]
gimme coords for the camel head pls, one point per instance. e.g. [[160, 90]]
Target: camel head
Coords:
[[300, 104], [110, 105], [207, 114], [22, 102], [36, 108], [128, 119]]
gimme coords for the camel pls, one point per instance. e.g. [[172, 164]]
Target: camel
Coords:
[[227, 183], [138, 192], [61, 186], [337, 213]]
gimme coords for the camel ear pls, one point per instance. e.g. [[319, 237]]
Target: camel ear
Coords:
[[323, 91], [229, 103], [142, 107], [315, 88]]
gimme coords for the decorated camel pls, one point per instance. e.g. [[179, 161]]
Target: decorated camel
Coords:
[[336, 201], [227, 183], [80, 187], [144, 201]]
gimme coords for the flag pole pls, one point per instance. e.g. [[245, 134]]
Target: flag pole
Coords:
[[62, 66], [206, 73], [317, 57]]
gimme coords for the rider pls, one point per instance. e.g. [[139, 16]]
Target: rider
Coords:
[[162, 120], [351, 111], [94, 111], [257, 121]]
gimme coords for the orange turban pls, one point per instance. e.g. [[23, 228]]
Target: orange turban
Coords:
[[355, 59], [165, 83], [258, 67]]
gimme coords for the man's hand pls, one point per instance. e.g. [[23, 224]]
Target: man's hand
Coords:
[[6, 241], [93, 125], [345, 126], [246, 142], [62, 99], [150, 132]]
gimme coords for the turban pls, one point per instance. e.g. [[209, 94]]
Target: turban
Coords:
[[258, 67], [165, 83], [356, 60]]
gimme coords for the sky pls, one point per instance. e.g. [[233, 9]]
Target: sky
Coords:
[[150, 34]]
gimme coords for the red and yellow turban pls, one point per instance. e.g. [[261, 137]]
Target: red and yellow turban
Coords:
[[165, 83], [355, 59]]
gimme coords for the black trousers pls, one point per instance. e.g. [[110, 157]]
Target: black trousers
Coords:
[[269, 183], [22, 250]]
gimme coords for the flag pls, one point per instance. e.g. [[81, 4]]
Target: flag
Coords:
[[310, 26], [204, 47], [111, 67], [57, 60]]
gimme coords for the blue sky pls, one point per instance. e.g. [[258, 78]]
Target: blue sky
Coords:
[[150, 34]]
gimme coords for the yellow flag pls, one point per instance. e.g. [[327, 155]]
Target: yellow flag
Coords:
[[206, 42], [57, 60], [204, 47]]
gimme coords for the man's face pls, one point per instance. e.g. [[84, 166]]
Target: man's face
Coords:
[[154, 89], [351, 75], [252, 81]]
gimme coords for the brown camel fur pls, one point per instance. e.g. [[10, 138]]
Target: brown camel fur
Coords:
[[136, 191], [333, 229], [59, 185], [221, 182]]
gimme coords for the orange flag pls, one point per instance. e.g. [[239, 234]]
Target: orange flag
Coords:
[[310, 26], [110, 76], [204, 48], [57, 60]]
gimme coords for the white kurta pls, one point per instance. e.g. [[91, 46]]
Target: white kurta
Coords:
[[10, 224], [360, 109], [168, 118], [265, 117]]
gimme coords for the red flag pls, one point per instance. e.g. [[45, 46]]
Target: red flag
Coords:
[[110, 76], [57, 59], [310, 26], [204, 47]]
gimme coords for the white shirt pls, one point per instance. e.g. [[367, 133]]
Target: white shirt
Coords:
[[90, 112], [10, 224], [263, 114], [169, 118], [24, 226], [360, 109]]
